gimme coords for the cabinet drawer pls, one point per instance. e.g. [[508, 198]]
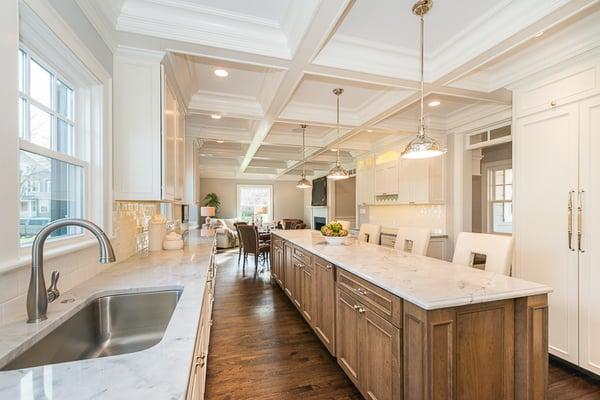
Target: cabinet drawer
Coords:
[[276, 241], [302, 255], [301, 262], [381, 302]]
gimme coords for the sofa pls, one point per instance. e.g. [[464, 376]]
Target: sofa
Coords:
[[291, 223], [225, 230]]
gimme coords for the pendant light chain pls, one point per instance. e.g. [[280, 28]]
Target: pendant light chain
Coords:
[[422, 119], [303, 126]]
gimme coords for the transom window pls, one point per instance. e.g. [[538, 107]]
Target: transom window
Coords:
[[500, 208], [255, 202], [52, 170]]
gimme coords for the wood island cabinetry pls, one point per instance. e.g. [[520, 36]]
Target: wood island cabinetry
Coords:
[[392, 348]]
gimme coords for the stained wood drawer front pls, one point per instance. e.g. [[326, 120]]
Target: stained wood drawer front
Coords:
[[378, 300], [301, 263], [276, 241], [302, 255]]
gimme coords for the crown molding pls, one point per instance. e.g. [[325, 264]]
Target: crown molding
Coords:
[[227, 104], [203, 25], [573, 42], [479, 117], [103, 17], [352, 53]]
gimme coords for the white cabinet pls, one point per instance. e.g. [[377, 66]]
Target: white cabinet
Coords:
[[421, 181], [557, 179], [365, 174], [386, 178], [149, 135]]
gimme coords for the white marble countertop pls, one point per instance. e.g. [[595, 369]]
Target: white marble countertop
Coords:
[[160, 372], [427, 282]]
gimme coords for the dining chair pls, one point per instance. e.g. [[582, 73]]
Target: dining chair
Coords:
[[252, 245], [484, 251], [413, 240], [236, 224], [369, 233]]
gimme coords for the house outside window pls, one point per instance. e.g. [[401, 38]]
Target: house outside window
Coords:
[[500, 195]]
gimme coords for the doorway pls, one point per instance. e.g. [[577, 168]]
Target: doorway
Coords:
[[491, 189]]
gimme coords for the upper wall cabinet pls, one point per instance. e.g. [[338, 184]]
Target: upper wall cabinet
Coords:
[[365, 174], [568, 85], [405, 182], [149, 129]]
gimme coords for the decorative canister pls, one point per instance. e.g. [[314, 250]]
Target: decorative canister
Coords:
[[157, 230]]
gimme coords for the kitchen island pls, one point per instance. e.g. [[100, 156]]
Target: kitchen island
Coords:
[[414, 327]]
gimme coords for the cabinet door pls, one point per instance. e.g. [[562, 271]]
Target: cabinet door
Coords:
[[275, 264], [169, 140], [307, 294], [419, 178], [380, 180], [380, 358], [298, 281], [280, 267], [180, 154], [288, 274], [589, 268], [404, 181], [324, 303], [348, 336], [545, 172], [436, 180]]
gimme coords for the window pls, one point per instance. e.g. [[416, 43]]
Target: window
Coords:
[[52, 183], [500, 195], [255, 202]]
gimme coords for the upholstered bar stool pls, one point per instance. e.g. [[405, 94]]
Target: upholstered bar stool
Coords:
[[484, 251], [369, 233], [413, 240]]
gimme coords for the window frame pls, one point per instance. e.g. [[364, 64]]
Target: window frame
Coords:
[[240, 187], [490, 172], [78, 153]]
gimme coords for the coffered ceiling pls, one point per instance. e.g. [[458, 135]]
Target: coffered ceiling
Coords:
[[284, 58]]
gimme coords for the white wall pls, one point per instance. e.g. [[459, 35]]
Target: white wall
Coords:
[[288, 200]]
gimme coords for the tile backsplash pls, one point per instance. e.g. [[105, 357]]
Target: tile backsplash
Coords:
[[130, 235]]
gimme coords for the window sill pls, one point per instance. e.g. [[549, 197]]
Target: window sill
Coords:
[[56, 251]]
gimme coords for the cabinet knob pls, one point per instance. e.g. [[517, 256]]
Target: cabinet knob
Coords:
[[328, 266], [360, 291], [553, 103]]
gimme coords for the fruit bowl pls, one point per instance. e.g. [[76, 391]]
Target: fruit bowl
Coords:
[[334, 233], [335, 240]]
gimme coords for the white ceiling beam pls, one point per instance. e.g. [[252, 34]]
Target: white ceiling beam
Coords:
[[324, 22]]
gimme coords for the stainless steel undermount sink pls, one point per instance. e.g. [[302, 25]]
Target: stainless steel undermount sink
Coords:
[[109, 325]]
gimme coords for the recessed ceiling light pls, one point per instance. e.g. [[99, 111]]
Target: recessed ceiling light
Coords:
[[215, 116], [434, 103], [221, 73], [540, 33], [220, 141], [369, 130], [333, 149]]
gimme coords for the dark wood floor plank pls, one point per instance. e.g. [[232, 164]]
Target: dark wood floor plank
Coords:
[[261, 348]]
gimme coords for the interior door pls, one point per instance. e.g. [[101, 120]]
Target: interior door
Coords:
[[589, 261], [546, 164]]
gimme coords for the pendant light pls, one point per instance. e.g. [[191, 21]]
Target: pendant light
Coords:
[[303, 183], [422, 146], [338, 172]]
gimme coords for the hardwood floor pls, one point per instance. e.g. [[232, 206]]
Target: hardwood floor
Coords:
[[261, 348]]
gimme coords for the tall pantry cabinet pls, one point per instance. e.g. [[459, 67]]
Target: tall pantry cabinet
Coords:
[[557, 203]]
